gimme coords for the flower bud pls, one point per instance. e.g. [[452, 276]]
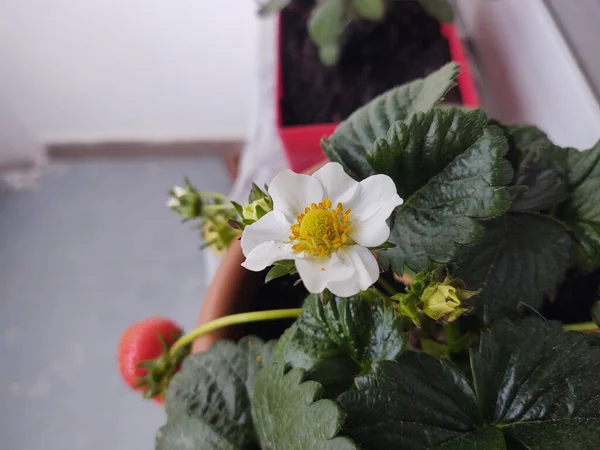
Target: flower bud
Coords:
[[186, 201], [218, 234], [441, 300], [255, 210]]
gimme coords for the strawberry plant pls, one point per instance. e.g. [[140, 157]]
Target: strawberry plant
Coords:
[[432, 246]]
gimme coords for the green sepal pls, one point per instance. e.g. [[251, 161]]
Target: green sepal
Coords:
[[160, 370], [280, 269]]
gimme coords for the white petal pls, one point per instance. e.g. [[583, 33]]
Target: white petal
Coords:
[[338, 186], [173, 202], [266, 254], [376, 193], [316, 273], [292, 192], [361, 268], [371, 232], [179, 191], [271, 227]]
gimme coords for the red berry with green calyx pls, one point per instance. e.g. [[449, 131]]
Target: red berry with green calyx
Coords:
[[144, 360]]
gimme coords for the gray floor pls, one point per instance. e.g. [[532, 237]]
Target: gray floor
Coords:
[[81, 257]]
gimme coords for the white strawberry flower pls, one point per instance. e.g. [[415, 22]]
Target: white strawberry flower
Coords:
[[326, 223]]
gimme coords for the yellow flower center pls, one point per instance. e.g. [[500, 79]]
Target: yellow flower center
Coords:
[[321, 229]]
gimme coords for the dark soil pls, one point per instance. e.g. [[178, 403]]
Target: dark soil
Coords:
[[375, 58], [277, 294], [574, 298]]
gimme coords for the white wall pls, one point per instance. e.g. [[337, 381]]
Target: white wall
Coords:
[[133, 69], [528, 70]]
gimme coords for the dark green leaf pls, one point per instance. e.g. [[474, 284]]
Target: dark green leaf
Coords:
[[442, 215], [582, 210], [336, 341], [354, 137], [488, 438], [440, 9], [417, 149], [369, 9], [583, 166], [280, 269], [191, 433], [519, 260], [290, 414], [528, 139], [538, 183], [415, 403], [534, 387], [539, 384], [210, 397], [527, 135], [596, 313], [594, 339]]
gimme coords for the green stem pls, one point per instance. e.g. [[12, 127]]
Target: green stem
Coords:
[[215, 195], [373, 293], [215, 208], [585, 326], [234, 319], [386, 286]]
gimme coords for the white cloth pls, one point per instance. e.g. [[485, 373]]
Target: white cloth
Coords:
[[262, 157]]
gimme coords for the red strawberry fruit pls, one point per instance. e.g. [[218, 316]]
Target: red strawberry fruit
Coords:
[[143, 355]]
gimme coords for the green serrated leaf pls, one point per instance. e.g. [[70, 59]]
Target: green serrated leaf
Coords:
[[208, 402], [440, 9], [582, 166], [487, 438], [417, 149], [190, 433], [415, 403], [369, 9], [442, 215], [594, 339], [290, 414], [519, 260], [281, 269], [581, 212], [336, 341], [538, 183], [354, 137], [530, 139], [539, 384], [533, 387]]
